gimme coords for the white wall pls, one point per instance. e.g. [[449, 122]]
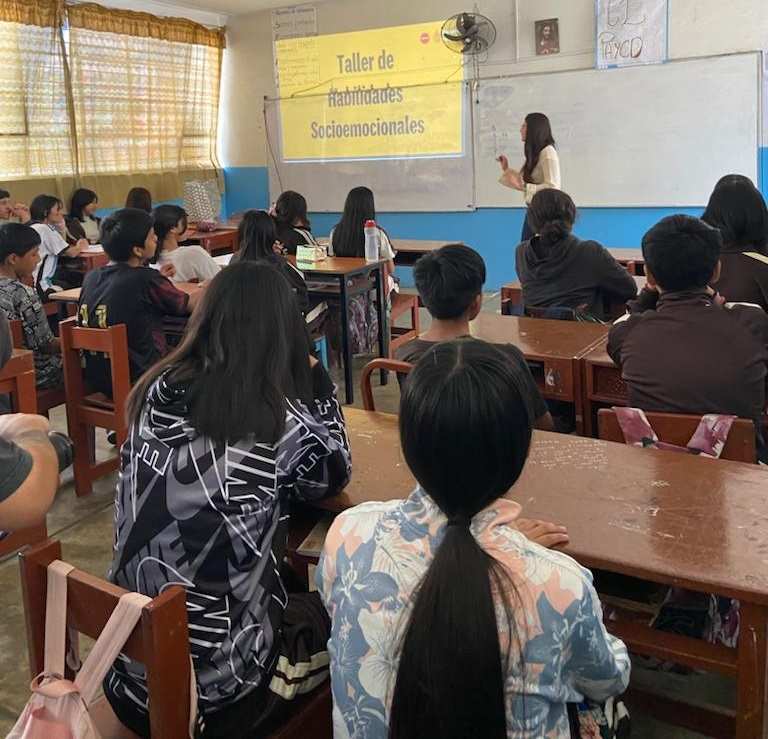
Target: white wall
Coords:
[[697, 28]]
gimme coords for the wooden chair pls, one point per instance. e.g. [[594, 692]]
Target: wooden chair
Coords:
[[15, 540], [17, 378], [47, 398], [402, 304], [86, 411], [391, 365], [160, 640], [677, 429]]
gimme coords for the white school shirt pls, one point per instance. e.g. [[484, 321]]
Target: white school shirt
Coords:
[[192, 262], [52, 243], [545, 175]]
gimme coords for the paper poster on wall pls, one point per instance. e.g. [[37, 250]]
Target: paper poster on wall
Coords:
[[631, 32], [764, 95]]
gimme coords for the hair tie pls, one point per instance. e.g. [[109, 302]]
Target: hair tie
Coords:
[[460, 520]]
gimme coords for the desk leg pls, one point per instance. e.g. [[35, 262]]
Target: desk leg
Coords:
[[381, 311], [346, 348], [751, 682], [26, 393]]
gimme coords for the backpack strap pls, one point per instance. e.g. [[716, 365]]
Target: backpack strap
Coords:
[[56, 618], [635, 427], [711, 435], [109, 644]]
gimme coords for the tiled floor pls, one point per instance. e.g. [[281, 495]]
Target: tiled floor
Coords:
[[84, 526]]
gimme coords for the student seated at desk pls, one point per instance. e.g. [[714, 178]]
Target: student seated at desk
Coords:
[[82, 221], [126, 291], [139, 198], [258, 241], [53, 273], [11, 212], [682, 351], [19, 256], [242, 420], [737, 208], [450, 617], [450, 283], [292, 221], [191, 263], [557, 269], [348, 240]]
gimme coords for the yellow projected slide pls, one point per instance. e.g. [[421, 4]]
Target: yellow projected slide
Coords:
[[390, 92]]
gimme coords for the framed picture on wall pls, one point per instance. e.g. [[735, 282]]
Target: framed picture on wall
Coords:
[[547, 37]]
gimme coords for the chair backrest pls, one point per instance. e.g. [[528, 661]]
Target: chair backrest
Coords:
[[675, 428], [160, 640], [17, 334], [112, 341], [390, 365]]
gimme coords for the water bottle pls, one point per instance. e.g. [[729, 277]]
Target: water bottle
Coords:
[[371, 241]]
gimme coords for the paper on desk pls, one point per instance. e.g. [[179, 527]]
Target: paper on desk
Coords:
[[94, 249], [312, 546]]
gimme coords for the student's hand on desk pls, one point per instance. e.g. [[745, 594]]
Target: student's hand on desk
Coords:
[[168, 270], [503, 161], [78, 247], [546, 534]]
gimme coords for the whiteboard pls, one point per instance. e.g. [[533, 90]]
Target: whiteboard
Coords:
[[405, 184], [646, 136]]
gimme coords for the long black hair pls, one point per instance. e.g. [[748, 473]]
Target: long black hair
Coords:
[[465, 433], [348, 234], [166, 218], [82, 198], [139, 198], [738, 210], [256, 235], [244, 353], [291, 207], [538, 137], [552, 214]]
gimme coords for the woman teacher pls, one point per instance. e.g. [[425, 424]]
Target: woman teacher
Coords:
[[541, 169]]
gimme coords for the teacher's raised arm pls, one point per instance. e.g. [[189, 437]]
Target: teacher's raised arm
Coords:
[[541, 168]]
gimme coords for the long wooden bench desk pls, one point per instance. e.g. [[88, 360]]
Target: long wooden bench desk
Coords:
[[667, 518], [553, 350]]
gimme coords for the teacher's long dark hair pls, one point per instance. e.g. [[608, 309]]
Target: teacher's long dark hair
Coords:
[[465, 434], [538, 136]]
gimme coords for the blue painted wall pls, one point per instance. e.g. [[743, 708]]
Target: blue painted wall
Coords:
[[494, 232]]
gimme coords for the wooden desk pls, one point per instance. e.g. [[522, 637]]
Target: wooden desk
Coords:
[[92, 258], [409, 251], [603, 386], [215, 242], [668, 518], [512, 296], [343, 278], [17, 377], [553, 350]]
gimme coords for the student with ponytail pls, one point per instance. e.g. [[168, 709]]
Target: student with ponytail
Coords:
[[450, 617], [557, 269]]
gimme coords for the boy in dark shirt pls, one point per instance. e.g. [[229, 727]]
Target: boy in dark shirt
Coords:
[[450, 283], [682, 351], [128, 292]]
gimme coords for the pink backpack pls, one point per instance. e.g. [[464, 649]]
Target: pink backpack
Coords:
[[76, 709], [707, 441]]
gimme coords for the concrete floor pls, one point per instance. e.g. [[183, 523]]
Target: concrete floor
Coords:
[[84, 526]]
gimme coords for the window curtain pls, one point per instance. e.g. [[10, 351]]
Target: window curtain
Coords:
[[36, 144], [138, 99]]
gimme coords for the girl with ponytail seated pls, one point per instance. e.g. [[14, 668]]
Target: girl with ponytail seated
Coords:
[[451, 616], [558, 270]]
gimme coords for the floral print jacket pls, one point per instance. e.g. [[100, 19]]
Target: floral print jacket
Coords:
[[375, 556]]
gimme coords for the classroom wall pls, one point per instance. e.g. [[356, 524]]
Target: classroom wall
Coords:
[[697, 28]]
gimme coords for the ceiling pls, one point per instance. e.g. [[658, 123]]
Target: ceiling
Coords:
[[229, 7]]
